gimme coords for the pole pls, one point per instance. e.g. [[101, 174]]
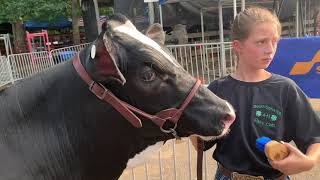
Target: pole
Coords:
[[96, 9], [243, 5], [234, 9], [151, 12], [222, 48], [297, 18], [91, 20], [160, 14], [202, 28]]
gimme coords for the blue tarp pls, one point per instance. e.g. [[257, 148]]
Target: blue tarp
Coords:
[[61, 23], [299, 59], [66, 55]]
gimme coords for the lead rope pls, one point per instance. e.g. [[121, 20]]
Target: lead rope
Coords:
[[200, 147]]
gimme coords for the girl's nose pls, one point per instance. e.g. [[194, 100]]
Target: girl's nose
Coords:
[[270, 48]]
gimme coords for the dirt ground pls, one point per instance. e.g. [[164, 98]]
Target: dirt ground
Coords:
[[183, 149]]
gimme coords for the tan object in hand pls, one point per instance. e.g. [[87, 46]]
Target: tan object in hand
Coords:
[[276, 151]]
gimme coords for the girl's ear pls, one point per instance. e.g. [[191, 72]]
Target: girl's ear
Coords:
[[236, 44]]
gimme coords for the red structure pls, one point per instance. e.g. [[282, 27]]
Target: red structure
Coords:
[[38, 41]]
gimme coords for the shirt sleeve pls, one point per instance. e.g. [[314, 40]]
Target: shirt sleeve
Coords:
[[306, 129], [213, 86]]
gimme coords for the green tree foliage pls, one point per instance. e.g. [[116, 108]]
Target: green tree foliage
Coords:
[[18, 11], [41, 10], [106, 11]]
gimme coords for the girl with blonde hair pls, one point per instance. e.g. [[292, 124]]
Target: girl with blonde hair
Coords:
[[266, 104]]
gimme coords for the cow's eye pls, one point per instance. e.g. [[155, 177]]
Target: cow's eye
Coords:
[[149, 75]]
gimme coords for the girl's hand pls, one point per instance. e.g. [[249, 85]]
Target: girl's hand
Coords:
[[295, 163]]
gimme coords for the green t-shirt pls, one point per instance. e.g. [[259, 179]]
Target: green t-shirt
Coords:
[[276, 108]]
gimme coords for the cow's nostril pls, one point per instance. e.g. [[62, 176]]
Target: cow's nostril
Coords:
[[230, 116], [228, 119]]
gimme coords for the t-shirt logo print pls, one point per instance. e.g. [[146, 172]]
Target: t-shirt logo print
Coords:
[[258, 113], [274, 117], [266, 115]]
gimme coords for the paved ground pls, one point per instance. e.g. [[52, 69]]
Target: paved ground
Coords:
[[184, 172]]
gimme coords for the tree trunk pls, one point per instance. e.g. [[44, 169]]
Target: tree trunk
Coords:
[[75, 22], [19, 37]]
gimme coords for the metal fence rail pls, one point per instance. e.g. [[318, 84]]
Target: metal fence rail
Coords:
[[203, 61], [5, 72], [63, 54], [26, 64]]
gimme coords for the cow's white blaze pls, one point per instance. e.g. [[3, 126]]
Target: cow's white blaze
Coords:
[[144, 155], [131, 31]]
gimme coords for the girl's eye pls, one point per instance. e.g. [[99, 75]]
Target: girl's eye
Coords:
[[149, 75]]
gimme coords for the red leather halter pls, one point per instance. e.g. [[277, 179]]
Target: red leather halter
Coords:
[[126, 110]]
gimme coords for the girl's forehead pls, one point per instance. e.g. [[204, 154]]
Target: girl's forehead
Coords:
[[264, 29]]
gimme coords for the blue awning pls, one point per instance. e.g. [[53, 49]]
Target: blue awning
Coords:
[[61, 23]]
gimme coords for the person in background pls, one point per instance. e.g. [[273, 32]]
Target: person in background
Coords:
[[266, 104]]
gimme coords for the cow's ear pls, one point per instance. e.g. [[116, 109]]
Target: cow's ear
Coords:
[[156, 33], [103, 56], [104, 27]]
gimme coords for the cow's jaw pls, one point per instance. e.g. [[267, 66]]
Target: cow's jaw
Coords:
[[144, 155], [211, 138], [227, 124]]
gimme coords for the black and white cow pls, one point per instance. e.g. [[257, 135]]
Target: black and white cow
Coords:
[[90, 118]]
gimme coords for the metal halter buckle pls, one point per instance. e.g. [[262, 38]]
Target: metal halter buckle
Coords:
[[102, 86]]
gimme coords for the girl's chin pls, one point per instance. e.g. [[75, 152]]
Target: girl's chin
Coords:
[[259, 68], [265, 65]]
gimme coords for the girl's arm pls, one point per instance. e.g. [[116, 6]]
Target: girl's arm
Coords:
[[313, 152]]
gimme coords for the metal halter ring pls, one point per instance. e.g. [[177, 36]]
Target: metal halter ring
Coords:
[[171, 131]]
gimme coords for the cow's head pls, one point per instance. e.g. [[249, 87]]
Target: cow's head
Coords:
[[141, 71]]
